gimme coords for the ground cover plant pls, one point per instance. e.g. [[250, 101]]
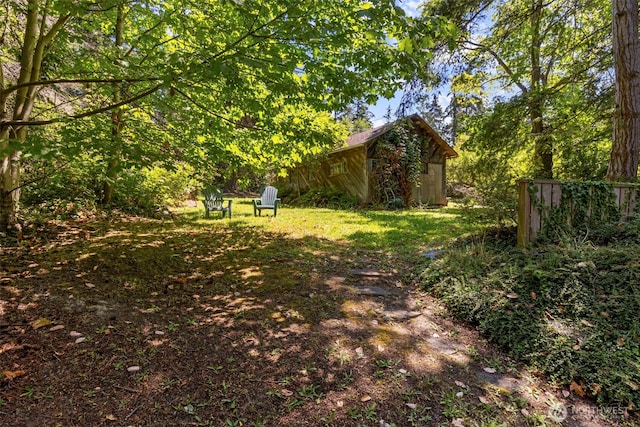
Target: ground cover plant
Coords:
[[310, 318], [569, 309]]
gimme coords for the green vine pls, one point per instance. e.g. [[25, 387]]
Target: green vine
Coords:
[[583, 206], [397, 170]]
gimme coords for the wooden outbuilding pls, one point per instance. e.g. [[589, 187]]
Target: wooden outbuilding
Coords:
[[351, 167]]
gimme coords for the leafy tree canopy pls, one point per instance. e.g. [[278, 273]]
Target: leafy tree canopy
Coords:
[[195, 78], [537, 78]]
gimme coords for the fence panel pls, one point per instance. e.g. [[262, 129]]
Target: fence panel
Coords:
[[548, 194]]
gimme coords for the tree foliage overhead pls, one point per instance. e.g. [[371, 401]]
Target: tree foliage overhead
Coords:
[[532, 81], [187, 76], [356, 117]]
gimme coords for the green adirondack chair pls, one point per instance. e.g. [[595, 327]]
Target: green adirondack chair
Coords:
[[214, 202], [268, 200]]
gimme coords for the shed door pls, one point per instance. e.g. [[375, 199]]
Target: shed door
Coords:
[[431, 191]]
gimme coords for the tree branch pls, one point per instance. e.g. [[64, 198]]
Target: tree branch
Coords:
[[21, 123], [147, 31], [252, 31], [14, 88], [202, 107], [502, 64]]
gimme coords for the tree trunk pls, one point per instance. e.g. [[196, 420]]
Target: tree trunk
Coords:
[[36, 38], [623, 163], [9, 184], [117, 116], [10, 163], [543, 146]]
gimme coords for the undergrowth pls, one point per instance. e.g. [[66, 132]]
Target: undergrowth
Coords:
[[324, 197], [569, 310]]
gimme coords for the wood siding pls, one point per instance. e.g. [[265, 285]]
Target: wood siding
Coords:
[[353, 181]]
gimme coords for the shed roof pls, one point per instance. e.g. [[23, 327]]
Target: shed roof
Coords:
[[362, 138]]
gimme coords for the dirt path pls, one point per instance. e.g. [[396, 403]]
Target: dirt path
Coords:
[[405, 326], [145, 324]]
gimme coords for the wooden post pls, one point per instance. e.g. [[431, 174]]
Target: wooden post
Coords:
[[524, 209]]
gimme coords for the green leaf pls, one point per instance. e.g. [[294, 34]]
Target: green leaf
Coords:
[[406, 45]]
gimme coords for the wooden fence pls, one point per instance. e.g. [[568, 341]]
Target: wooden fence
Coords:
[[547, 194]]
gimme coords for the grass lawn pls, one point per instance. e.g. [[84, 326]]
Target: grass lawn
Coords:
[[310, 318], [404, 232]]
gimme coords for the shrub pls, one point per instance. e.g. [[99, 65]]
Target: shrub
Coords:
[[327, 198], [67, 189], [61, 189], [143, 191], [567, 310]]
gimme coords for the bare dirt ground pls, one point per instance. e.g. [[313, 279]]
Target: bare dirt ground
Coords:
[[152, 323]]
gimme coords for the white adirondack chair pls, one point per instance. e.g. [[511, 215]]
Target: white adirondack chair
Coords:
[[268, 200]]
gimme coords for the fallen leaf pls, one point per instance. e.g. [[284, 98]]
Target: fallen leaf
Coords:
[[460, 384], [524, 412], [597, 388], [56, 328], [365, 398], [512, 295], [40, 323], [576, 347], [490, 370], [484, 400], [90, 285], [534, 295], [620, 341], [586, 323], [412, 405], [286, 393], [133, 368], [75, 334], [80, 340], [577, 389], [13, 374], [110, 417]]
